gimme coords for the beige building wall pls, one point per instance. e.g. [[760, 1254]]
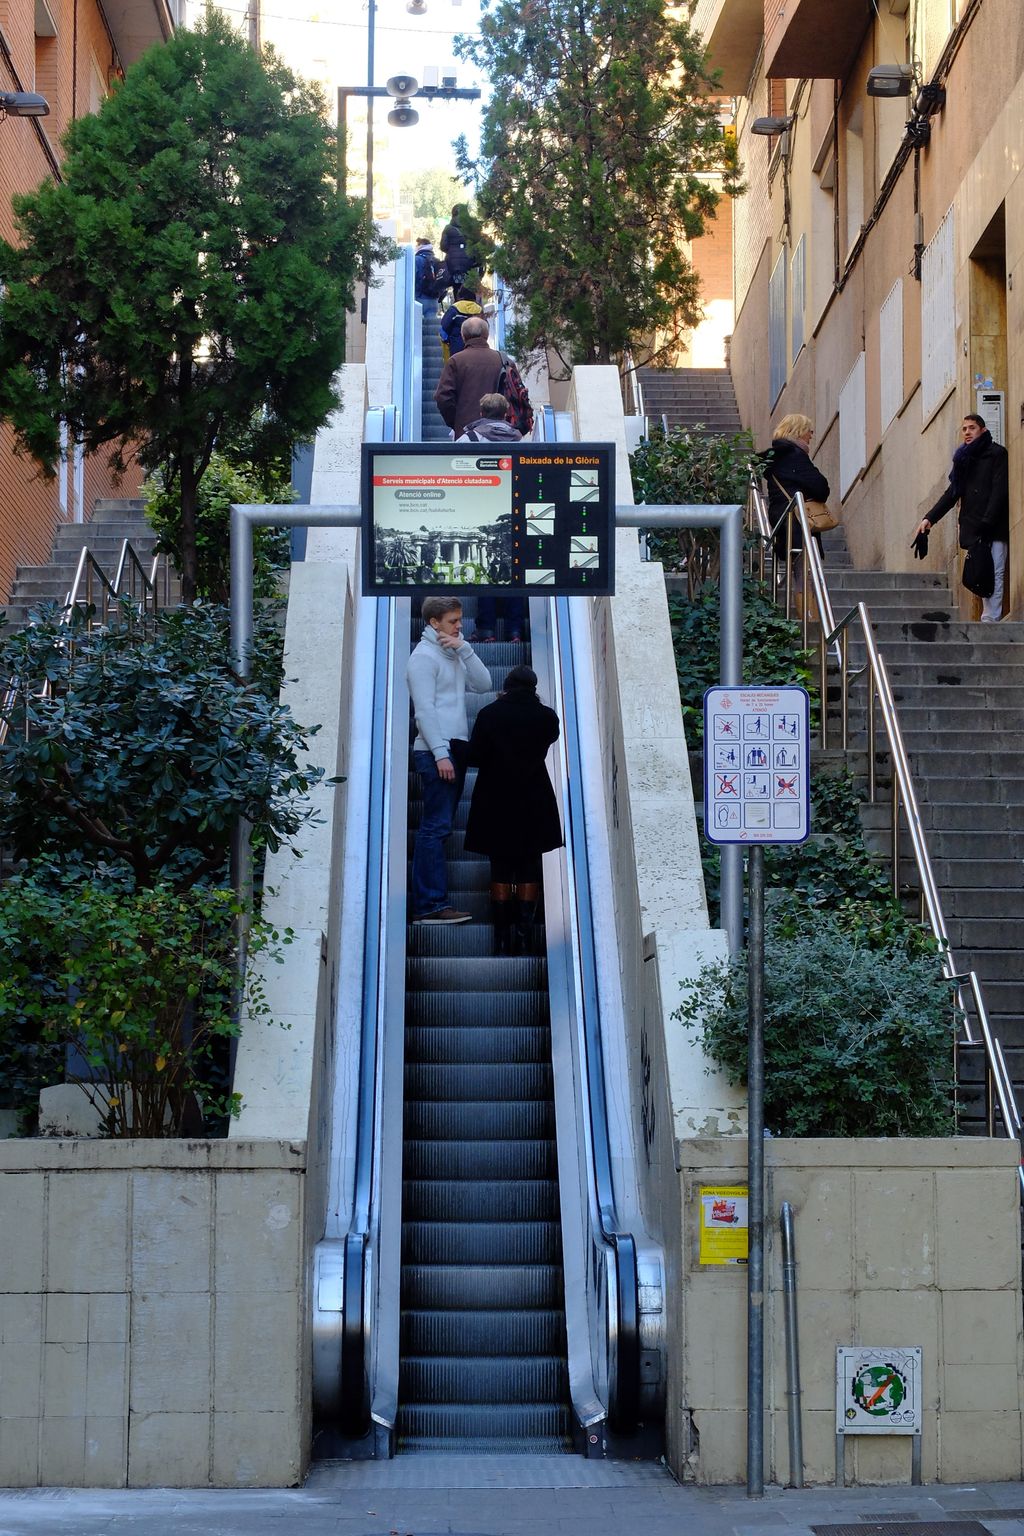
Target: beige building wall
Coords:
[[865, 210]]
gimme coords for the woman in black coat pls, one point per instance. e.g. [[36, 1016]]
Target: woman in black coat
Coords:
[[788, 469], [513, 816]]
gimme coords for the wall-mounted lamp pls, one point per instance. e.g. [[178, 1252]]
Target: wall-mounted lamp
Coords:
[[890, 80], [23, 104], [768, 127], [931, 98]]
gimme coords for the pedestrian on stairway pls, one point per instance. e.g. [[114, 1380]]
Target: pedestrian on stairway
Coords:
[[456, 253], [467, 377], [788, 469], [439, 671], [980, 481], [513, 815]]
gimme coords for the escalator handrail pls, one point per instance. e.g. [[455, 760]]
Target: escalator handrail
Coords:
[[624, 1305], [354, 1393]]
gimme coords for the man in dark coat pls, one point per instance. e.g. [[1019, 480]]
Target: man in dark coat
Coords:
[[980, 481], [513, 816], [467, 377]]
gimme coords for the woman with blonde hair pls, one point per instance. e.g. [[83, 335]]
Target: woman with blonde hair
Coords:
[[788, 469]]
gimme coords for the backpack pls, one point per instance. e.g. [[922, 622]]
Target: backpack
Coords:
[[510, 384], [437, 282]]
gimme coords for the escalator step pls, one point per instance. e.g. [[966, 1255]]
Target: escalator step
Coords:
[[455, 847], [468, 1010], [481, 1159], [523, 1424], [479, 1122], [440, 940], [479, 1200], [484, 1333], [480, 1242], [490, 1379], [479, 1287], [475, 973], [478, 1043], [478, 1082]]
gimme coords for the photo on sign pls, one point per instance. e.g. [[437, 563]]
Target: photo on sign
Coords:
[[540, 519], [540, 577]]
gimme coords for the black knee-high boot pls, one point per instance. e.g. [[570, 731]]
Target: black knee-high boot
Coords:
[[528, 895], [501, 917]]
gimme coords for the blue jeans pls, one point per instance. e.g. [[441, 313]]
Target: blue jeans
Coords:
[[429, 861], [511, 608]]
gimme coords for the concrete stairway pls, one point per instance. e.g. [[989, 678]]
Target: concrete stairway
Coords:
[[959, 691], [691, 397], [112, 522]]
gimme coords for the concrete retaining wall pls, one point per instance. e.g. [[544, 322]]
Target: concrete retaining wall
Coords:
[[153, 1314], [912, 1242]]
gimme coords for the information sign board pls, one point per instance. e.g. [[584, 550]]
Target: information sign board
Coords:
[[724, 1229], [533, 517], [757, 785], [878, 1390]]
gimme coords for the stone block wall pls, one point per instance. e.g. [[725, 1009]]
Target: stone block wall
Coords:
[[153, 1314], [913, 1242]]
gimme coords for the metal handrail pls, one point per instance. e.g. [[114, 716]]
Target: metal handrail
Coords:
[[835, 637], [88, 569]]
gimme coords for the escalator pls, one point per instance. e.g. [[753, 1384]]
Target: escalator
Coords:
[[484, 1283], [483, 1339]]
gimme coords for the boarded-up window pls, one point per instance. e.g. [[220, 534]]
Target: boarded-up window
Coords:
[[777, 329], [938, 318], [799, 294], [851, 427], [890, 352]]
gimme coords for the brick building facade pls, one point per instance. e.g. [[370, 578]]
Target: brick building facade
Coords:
[[70, 51]]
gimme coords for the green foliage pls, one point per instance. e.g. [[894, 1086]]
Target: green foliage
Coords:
[[598, 153], [139, 983], [688, 468], [432, 194], [225, 481], [771, 648], [145, 750], [191, 270], [858, 1034]]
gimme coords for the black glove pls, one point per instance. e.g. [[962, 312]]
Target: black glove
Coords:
[[919, 544]]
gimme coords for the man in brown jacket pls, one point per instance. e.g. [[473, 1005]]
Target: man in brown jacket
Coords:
[[468, 376]]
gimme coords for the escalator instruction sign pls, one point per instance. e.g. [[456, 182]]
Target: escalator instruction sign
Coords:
[[757, 783], [535, 517]]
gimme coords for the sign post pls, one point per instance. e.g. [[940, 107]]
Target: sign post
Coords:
[[756, 791]]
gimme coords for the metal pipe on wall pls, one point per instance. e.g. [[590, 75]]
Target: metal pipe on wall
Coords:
[[793, 1390]]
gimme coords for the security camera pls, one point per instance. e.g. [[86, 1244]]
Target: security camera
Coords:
[[403, 116], [402, 86]]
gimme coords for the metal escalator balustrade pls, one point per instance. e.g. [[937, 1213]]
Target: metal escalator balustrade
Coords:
[[834, 640]]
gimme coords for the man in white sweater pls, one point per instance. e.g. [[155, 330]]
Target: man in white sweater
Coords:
[[439, 671]]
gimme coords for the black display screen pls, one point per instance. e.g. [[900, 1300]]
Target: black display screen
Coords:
[[528, 516]]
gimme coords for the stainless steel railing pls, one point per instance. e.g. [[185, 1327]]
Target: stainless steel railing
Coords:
[[834, 648]]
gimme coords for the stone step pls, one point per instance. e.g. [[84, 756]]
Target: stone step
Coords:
[[950, 654], [879, 582], [944, 817], [973, 933], [998, 965], [959, 720], [1005, 875], [977, 902], [990, 697], [957, 844]]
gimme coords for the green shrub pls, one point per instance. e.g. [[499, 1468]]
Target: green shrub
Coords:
[[858, 1034], [140, 983], [146, 750], [687, 468], [771, 648]]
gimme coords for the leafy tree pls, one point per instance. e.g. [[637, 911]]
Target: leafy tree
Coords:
[[143, 751], [593, 170], [193, 269], [433, 194]]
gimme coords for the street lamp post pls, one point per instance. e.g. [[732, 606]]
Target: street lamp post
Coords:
[[23, 104], [425, 93]]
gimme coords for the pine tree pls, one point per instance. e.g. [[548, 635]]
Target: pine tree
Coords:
[[191, 271], [597, 156]]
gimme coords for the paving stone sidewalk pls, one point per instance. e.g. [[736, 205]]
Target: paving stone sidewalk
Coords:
[[509, 1496]]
